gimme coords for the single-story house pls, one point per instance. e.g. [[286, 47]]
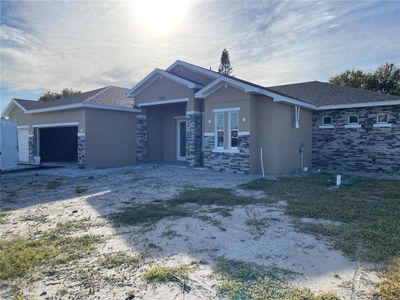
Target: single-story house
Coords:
[[198, 116]]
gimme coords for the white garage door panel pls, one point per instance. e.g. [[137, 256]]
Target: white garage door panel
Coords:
[[23, 144]]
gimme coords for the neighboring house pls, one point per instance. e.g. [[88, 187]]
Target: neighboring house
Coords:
[[191, 114]]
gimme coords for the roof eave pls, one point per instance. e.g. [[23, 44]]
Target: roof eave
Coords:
[[10, 106], [81, 105], [359, 105], [213, 86]]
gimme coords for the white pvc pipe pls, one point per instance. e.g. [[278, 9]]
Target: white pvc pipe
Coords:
[[338, 180], [262, 162]]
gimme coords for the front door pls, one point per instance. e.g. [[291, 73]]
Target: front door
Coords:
[[181, 139]]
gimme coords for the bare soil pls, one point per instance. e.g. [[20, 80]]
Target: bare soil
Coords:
[[36, 201]]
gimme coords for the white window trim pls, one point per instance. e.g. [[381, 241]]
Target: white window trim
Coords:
[[216, 131], [377, 118], [226, 109], [353, 125], [326, 126], [231, 150], [230, 129], [243, 133], [358, 120], [323, 117], [178, 139], [382, 125]]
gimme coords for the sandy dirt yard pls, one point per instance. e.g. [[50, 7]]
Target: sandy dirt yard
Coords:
[[82, 202]]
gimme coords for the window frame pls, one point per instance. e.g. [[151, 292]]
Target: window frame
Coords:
[[352, 123], [216, 130], [230, 129], [326, 124], [382, 113]]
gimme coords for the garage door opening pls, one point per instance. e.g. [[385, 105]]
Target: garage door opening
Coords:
[[58, 144]]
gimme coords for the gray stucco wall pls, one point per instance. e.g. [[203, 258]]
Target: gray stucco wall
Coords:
[[63, 116], [365, 149], [280, 139], [110, 138]]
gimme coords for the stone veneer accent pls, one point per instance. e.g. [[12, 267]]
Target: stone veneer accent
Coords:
[[365, 149], [194, 155], [141, 139], [229, 162], [31, 146], [81, 150]]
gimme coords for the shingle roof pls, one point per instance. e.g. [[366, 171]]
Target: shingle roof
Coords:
[[106, 96], [316, 92], [323, 93]]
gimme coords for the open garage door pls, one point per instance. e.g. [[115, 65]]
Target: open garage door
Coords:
[[58, 144]]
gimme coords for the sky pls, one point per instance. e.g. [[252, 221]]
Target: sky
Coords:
[[50, 45]]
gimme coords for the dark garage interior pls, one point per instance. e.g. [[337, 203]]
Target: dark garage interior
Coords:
[[59, 144]]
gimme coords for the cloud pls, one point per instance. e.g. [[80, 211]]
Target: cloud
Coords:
[[84, 45]]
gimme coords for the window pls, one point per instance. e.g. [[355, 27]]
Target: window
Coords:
[[353, 119], [219, 130], [233, 129], [382, 118], [326, 120]]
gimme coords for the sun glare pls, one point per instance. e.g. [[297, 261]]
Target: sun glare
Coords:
[[160, 16]]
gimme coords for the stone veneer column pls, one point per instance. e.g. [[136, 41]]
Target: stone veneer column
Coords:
[[236, 162], [31, 146], [141, 139], [81, 149], [194, 123]]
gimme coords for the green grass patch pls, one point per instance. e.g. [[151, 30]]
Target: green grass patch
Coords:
[[170, 234], [149, 213], [389, 288], [184, 205], [3, 218], [212, 221], [212, 196], [54, 184], [79, 189], [243, 280], [257, 224], [69, 227], [119, 259], [166, 274], [20, 256], [369, 210]]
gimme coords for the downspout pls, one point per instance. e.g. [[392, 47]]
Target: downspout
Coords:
[[297, 116]]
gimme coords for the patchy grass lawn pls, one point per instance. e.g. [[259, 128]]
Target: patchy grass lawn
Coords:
[[183, 205], [22, 256], [242, 280], [369, 212], [220, 226]]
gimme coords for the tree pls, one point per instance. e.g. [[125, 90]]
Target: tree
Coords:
[[225, 66], [48, 96], [385, 79]]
